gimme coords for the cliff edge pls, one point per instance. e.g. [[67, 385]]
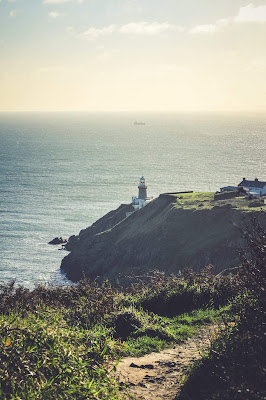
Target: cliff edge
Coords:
[[171, 233]]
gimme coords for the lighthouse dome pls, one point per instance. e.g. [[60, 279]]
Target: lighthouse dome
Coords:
[[142, 181]]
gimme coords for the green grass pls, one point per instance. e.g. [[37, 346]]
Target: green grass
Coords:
[[159, 332], [205, 316], [234, 367], [194, 200], [143, 345], [48, 357], [205, 200], [57, 342], [43, 357]]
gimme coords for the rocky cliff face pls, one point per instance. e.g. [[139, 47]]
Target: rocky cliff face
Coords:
[[162, 235]]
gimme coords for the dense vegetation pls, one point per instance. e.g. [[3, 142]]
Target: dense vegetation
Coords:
[[62, 342], [235, 366], [57, 342]]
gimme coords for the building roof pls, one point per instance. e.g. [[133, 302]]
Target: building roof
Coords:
[[230, 187], [255, 184]]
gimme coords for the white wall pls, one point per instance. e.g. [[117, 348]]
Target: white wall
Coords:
[[257, 190]]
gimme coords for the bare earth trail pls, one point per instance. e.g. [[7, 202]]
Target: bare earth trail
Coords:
[[156, 376]]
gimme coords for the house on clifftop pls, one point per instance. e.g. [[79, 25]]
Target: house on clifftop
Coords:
[[255, 188]]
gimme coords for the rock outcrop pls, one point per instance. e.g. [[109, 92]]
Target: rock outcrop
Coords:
[[58, 240]]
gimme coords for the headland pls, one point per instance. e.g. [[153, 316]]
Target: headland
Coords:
[[171, 233]]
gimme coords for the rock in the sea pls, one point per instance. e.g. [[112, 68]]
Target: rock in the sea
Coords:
[[58, 240]]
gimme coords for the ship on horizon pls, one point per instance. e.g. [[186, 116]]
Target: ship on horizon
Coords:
[[139, 123]]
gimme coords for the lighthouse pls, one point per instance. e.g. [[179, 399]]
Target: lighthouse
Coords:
[[142, 200], [142, 189]]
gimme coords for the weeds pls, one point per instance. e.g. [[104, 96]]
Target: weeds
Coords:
[[56, 341], [235, 367]]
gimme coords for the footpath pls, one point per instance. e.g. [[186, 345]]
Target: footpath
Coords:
[[156, 376]]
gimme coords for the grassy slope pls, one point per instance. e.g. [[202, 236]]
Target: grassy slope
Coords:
[[205, 200], [170, 233], [55, 342]]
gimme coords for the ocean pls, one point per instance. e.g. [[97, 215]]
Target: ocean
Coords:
[[60, 172]]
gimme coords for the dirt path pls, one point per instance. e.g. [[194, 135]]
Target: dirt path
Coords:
[[156, 376]]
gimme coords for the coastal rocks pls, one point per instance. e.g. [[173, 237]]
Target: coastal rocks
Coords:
[[102, 225], [58, 240]]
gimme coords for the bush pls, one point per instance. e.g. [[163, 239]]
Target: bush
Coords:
[[84, 303], [235, 367], [41, 357], [170, 296]]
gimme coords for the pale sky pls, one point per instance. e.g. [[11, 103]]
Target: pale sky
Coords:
[[132, 55]]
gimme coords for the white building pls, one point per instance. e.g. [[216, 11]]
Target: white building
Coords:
[[255, 188]]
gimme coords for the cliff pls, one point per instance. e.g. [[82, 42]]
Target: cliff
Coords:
[[171, 233]]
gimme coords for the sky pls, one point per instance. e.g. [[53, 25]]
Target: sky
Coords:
[[133, 55]]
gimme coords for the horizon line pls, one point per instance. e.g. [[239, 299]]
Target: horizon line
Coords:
[[137, 111]]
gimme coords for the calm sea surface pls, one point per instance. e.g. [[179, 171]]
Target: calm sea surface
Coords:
[[61, 172]]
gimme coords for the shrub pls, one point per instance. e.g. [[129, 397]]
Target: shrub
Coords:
[[235, 367], [170, 296]]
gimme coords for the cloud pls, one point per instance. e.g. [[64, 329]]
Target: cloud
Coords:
[[258, 63], [251, 13], [133, 28], [145, 28], [14, 13], [248, 13], [70, 29], [61, 1], [54, 14], [209, 29], [93, 33]]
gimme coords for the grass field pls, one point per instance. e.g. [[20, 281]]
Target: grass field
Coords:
[[205, 200]]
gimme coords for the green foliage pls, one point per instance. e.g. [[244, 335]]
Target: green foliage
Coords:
[[170, 296], [143, 345], [45, 358], [235, 367], [195, 200], [56, 342], [205, 200], [84, 302]]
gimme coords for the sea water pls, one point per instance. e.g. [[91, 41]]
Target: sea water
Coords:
[[60, 172]]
